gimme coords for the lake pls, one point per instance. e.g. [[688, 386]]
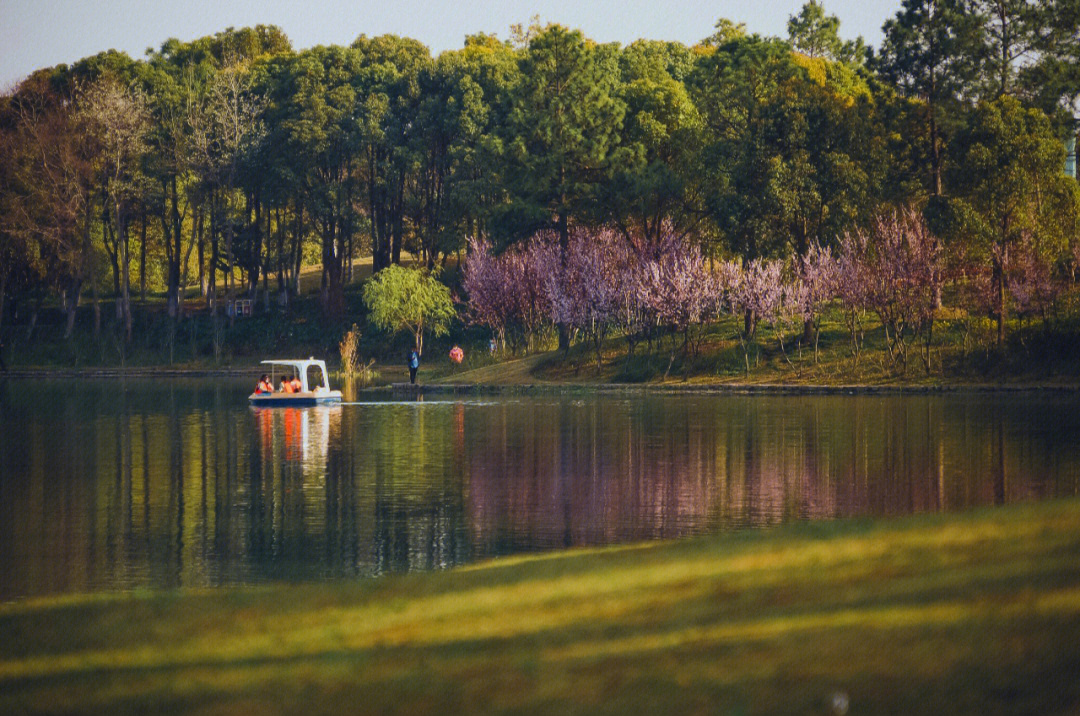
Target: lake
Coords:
[[119, 485]]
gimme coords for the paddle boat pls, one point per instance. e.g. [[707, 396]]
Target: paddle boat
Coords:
[[308, 395]]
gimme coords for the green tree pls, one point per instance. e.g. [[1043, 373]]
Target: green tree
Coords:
[[464, 128], [118, 119], [654, 183], [1007, 177], [563, 128], [400, 298], [927, 53], [791, 154], [390, 99], [814, 33]]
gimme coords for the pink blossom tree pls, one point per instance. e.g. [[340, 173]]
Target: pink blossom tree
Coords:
[[585, 294], [754, 290], [815, 284], [484, 280], [676, 291], [897, 271], [853, 284], [1030, 280]]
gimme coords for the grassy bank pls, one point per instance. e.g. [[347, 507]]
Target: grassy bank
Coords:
[[976, 613], [962, 349]]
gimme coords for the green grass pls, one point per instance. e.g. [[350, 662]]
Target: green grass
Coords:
[[972, 613]]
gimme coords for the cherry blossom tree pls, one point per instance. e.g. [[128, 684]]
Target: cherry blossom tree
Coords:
[[485, 283], [1030, 280], [587, 295], [676, 291], [896, 271], [815, 284], [756, 291]]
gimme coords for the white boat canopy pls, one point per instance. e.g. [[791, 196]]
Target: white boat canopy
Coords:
[[301, 368]]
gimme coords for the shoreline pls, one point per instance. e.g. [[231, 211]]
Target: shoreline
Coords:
[[540, 388]]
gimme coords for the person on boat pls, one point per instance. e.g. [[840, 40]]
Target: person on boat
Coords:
[[264, 385], [297, 386], [286, 386], [412, 359]]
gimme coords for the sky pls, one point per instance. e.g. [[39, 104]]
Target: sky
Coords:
[[42, 33]]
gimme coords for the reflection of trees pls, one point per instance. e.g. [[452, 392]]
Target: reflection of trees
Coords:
[[600, 471], [174, 483]]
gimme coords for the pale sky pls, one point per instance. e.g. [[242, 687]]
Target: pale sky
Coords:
[[42, 33]]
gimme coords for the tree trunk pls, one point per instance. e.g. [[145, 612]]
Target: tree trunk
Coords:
[[999, 281], [33, 319], [125, 269], [97, 307], [204, 285], [935, 151], [142, 260], [564, 246], [3, 299], [332, 265], [88, 268], [71, 306], [211, 291]]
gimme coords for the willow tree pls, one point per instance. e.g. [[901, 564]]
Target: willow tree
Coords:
[[400, 298]]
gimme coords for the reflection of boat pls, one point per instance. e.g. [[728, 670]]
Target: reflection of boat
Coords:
[[308, 395]]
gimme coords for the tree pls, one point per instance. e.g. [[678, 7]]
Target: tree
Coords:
[[234, 130], [1011, 37], [564, 124], [754, 289], [653, 186], [400, 298], [927, 53], [814, 33], [50, 183], [792, 147], [118, 117], [898, 263], [1006, 175], [814, 286]]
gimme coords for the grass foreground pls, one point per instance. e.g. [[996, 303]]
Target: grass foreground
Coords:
[[971, 613]]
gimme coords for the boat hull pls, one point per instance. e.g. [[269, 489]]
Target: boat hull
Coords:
[[293, 400]]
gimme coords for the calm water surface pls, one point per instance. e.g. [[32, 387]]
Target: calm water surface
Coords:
[[118, 485]]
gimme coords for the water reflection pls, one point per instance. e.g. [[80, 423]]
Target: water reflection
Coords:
[[108, 485]]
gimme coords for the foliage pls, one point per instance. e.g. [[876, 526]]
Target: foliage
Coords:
[[1010, 189], [898, 268], [400, 298], [590, 184]]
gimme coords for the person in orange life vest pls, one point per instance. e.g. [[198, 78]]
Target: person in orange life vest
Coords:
[[297, 386], [264, 385], [286, 386]]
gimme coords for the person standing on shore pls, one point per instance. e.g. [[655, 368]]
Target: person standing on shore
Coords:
[[412, 359]]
